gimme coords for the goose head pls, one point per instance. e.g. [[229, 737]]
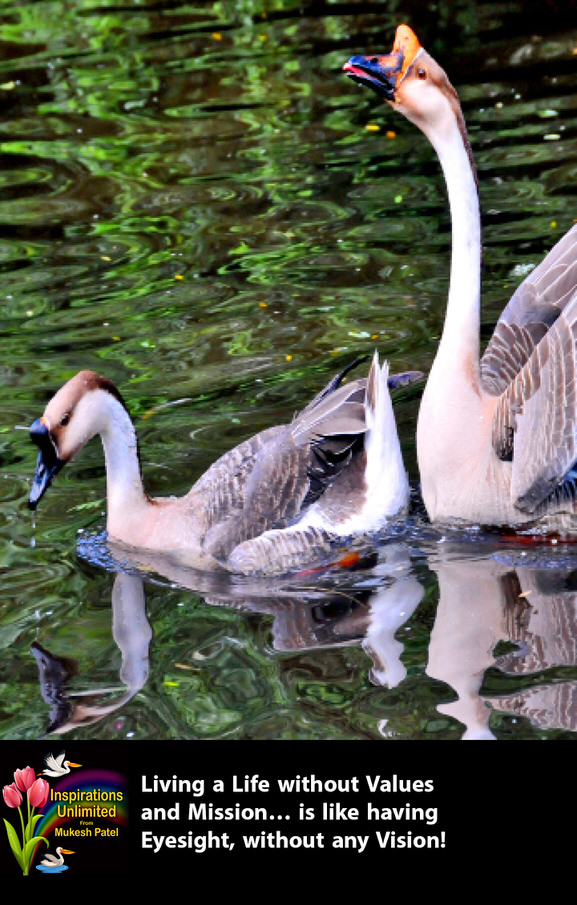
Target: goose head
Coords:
[[412, 83], [81, 409]]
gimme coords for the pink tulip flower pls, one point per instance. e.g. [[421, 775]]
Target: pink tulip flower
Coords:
[[24, 778], [38, 793], [12, 796]]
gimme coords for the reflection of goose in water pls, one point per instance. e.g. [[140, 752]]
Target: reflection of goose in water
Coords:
[[54, 672], [52, 861], [57, 766], [547, 637], [366, 612], [526, 609], [132, 633], [500, 614], [364, 608]]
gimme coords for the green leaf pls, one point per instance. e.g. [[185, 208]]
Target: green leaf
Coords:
[[31, 824], [14, 843], [30, 846]]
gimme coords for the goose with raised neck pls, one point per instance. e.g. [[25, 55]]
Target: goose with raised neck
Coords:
[[496, 435]]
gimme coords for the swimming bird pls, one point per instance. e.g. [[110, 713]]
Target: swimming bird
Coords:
[[53, 861], [496, 435], [57, 766], [275, 501]]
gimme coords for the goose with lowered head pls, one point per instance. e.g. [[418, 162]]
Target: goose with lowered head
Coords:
[[496, 435], [274, 503]]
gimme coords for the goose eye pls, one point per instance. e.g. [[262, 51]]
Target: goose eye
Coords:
[[65, 419], [421, 73]]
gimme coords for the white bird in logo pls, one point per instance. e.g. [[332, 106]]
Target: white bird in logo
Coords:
[[57, 766], [53, 861]]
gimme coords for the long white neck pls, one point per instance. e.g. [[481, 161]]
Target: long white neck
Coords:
[[459, 346], [124, 490], [451, 415]]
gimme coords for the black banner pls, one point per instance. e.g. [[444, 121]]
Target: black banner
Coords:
[[133, 809]]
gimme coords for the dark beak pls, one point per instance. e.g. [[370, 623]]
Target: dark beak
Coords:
[[47, 465], [379, 73]]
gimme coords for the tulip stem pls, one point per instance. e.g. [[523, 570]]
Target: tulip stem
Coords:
[[22, 825], [26, 865]]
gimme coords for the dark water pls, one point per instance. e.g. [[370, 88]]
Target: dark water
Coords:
[[195, 202]]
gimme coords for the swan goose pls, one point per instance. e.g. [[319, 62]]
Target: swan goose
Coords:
[[277, 501], [496, 436]]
